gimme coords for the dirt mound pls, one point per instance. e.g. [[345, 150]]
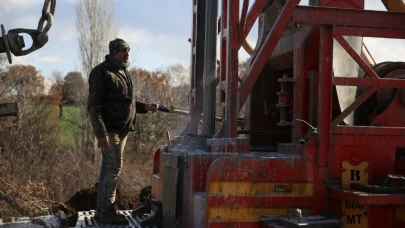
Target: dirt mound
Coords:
[[85, 200]]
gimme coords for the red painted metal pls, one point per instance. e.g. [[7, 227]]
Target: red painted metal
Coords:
[[260, 169], [264, 52], [368, 82], [301, 85], [263, 201], [370, 32], [157, 166], [243, 21], [367, 198], [356, 56], [368, 131], [363, 97], [156, 160], [325, 91], [399, 223], [356, 4], [318, 161], [232, 47], [390, 117], [251, 17], [308, 15]]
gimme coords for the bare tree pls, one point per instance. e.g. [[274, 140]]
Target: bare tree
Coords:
[[74, 88], [96, 26], [57, 79]]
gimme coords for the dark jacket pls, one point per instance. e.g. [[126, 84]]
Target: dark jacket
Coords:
[[112, 103]]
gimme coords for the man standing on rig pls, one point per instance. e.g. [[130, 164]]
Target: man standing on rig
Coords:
[[112, 109]]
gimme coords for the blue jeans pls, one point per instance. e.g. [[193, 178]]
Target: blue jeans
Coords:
[[110, 171]]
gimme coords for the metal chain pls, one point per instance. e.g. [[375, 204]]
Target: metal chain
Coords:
[[46, 5], [47, 16]]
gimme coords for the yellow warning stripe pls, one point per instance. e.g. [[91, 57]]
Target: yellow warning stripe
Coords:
[[238, 214], [245, 188], [400, 213]]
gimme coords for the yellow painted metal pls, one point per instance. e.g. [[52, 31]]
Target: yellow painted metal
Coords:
[[366, 55], [400, 213], [237, 214], [354, 215], [249, 214], [354, 174], [248, 47], [394, 5], [242, 188]]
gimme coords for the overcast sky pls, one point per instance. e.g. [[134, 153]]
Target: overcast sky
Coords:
[[157, 31]]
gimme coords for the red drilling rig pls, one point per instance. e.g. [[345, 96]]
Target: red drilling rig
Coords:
[[324, 138]]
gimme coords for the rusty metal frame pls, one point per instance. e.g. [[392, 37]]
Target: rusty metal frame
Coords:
[[229, 63], [233, 33], [381, 24], [300, 84], [374, 81], [308, 15], [251, 17], [378, 24], [325, 91], [235, 97], [265, 52]]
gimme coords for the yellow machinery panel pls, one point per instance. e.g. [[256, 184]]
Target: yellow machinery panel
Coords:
[[354, 215]]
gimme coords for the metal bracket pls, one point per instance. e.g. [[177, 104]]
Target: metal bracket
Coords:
[[15, 41]]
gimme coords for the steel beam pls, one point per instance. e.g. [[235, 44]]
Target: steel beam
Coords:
[[197, 64], [265, 52], [210, 67], [368, 131], [300, 84], [363, 97], [325, 93], [368, 82], [356, 56], [368, 32], [308, 15], [242, 22], [251, 18], [232, 47], [223, 53], [324, 114]]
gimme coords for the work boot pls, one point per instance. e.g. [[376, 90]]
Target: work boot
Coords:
[[97, 214], [111, 218]]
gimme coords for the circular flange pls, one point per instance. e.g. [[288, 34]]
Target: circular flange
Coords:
[[5, 40]]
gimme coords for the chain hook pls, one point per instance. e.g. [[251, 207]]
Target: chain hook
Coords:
[[43, 36]]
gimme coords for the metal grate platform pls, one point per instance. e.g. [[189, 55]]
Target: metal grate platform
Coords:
[[86, 219]]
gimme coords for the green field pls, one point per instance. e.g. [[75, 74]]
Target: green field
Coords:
[[70, 124]]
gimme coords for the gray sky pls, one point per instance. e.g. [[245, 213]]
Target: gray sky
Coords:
[[157, 31]]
